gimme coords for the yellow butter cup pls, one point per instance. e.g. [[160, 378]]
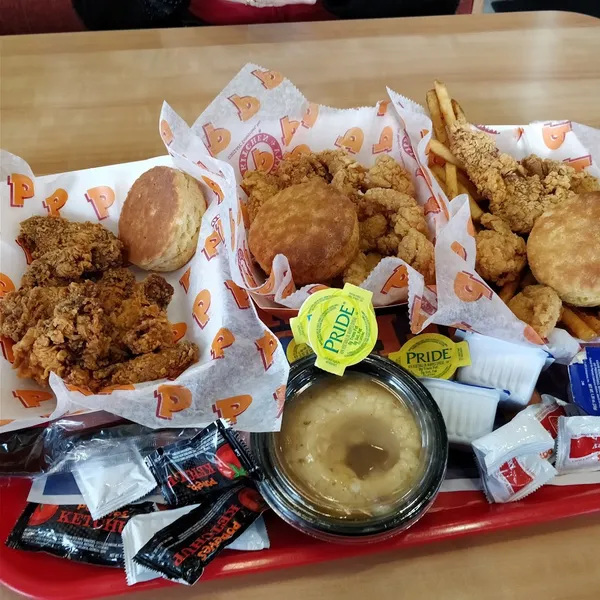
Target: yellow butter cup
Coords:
[[432, 355], [297, 351]]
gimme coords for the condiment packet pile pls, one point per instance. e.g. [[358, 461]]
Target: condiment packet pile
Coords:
[[240, 380]]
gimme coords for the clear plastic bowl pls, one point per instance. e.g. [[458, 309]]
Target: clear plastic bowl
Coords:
[[290, 502]]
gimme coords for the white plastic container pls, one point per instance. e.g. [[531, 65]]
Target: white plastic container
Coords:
[[511, 368], [469, 411]]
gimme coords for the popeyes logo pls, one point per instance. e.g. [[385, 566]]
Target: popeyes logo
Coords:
[[171, 399], [267, 346], [246, 106], [232, 408], [581, 163], [6, 285], [459, 249], [55, 202], [351, 141], [385, 141], [6, 346], [261, 152], [382, 107], [222, 340], [212, 242], [21, 189], [214, 186], [245, 270], [288, 129], [469, 289], [200, 308], [179, 330], [101, 198], [32, 398], [554, 134], [397, 280], [297, 151], [165, 133], [184, 280], [269, 79], [217, 139], [240, 295], [310, 115]]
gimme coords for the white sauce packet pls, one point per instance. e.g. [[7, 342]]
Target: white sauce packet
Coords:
[[578, 447]]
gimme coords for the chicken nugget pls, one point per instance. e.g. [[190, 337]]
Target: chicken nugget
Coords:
[[538, 306]]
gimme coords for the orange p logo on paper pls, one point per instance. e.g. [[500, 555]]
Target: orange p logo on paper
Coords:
[[288, 129], [297, 151], [431, 206], [267, 346], [55, 202], [247, 106], [223, 339], [310, 115], [200, 310], [385, 141], [469, 289], [211, 244], [32, 398], [6, 285], [21, 188], [113, 388], [217, 139], [184, 280], [269, 79], [179, 330], [232, 408], [554, 134], [240, 295], [459, 249], [352, 140], [166, 133], [6, 347], [581, 163], [101, 198], [382, 107], [397, 280], [263, 160], [531, 335], [171, 399], [214, 187]]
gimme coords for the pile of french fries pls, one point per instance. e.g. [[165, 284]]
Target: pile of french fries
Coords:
[[453, 179]]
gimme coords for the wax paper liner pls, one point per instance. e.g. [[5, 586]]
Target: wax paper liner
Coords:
[[261, 117], [464, 299], [242, 369]]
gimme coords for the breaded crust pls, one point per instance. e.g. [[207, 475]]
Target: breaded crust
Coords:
[[314, 225], [564, 249], [160, 220]]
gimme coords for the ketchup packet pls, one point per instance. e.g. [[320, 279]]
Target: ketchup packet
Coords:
[[71, 532], [189, 471], [181, 550], [578, 447]]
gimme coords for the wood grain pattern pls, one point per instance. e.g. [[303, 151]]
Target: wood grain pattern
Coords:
[[81, 100]]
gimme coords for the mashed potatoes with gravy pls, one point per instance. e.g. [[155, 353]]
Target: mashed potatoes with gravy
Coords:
[[350, 446]]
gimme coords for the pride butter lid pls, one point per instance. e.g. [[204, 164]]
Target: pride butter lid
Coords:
[[297, 351], [432, 355], [339, 325]]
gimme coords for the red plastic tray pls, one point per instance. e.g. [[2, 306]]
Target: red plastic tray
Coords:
[[454, 514]]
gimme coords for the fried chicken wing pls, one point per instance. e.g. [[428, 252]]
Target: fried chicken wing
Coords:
[[259, 186], [539, 306], [417, 251], [517, 197], [501, 254], [388, 173]]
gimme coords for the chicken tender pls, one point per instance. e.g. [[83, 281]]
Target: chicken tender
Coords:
[[501, 254], [260, 187], [417, 251], [371, 230], [538, 306], [388, 173], [358, 270]]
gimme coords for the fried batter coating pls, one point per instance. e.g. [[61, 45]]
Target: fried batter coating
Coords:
[[501, 254], [416, 250], [300, 169], [259, 186], [388, 173], [371, 230], [361, 267], [539, 306]]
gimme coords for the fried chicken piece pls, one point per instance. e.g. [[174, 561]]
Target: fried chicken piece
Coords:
[[515, 196], [259, 186], [347, 175], [166, 364], [371, 230], [539, 306], [580, 182], [501, 254], [417, 251], [72, 342], [66, 249], [300, 169], [113, 287], [583, 182], [388, 173], [360, 268], [396, 206], [23, 308]]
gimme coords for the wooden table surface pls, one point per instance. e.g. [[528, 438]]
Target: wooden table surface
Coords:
[[81, 100]]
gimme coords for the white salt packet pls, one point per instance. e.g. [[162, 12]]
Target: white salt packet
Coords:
[[517, 478], [137, 532], [511, 368], [522, 436], [469, 411], [109, 482], [578, 446]]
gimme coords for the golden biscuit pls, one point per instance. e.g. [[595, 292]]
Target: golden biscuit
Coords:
[[160, 220], [564, 249], [313, 225]]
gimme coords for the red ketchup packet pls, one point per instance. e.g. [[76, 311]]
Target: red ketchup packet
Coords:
[[578, 447], [71, 532], [189, 471], [181, 550]]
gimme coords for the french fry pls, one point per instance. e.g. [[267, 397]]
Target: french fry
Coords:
[[578, 327], [458, 111], [528, 279], [445, 103], [439, 172], [440, 150], [508, 290], [476, 212], [469, 185], [436, 117], [451, 181], [592, 321]]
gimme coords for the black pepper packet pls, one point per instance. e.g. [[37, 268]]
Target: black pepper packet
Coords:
[[70, 532], [182, 550], [191, 471]]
